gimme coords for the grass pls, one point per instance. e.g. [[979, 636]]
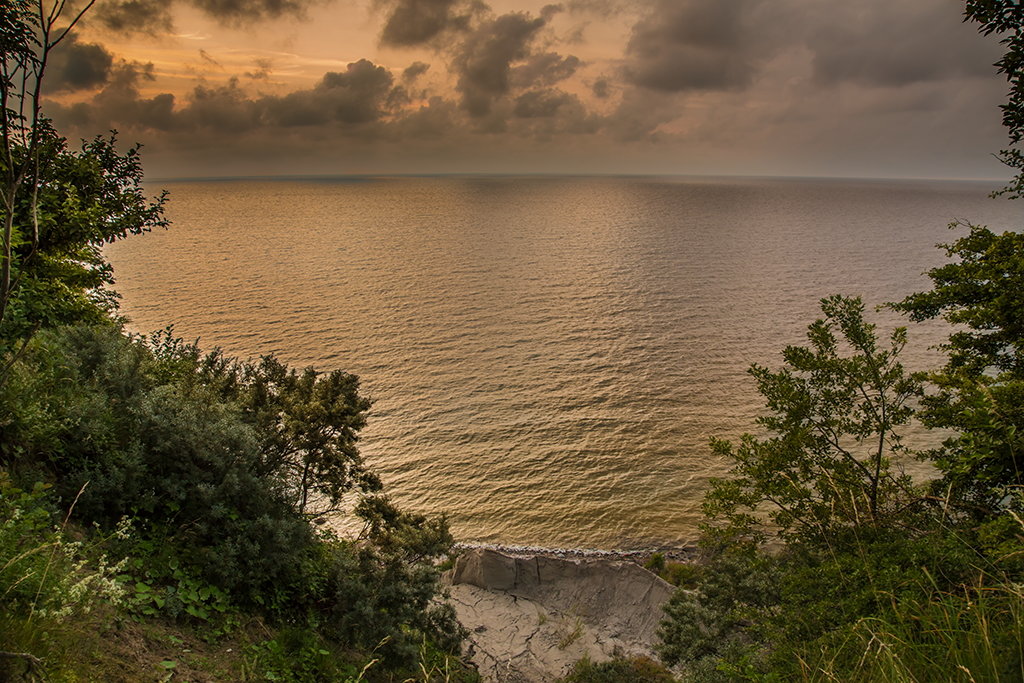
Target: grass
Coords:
[[571, 636], [973, 636]]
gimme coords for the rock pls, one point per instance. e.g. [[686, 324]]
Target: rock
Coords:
[[532, 617]]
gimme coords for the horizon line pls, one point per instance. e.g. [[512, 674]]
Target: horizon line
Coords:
[[475, 174]]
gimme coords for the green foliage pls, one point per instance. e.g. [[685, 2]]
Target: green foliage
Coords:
[[1004, 18], [307, 424], [83, 200], [635, 669], [57, 207], [758, 612], [170, 439], [220, 465], [835, 409], [980, 391], [676, 573], [716, 619], [298, 655], [42, 572], [48, 583], [171, 590], [366, 595], [655, 563], [981, 291], [974, 634]]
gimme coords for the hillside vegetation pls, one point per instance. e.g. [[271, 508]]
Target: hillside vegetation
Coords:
[[160, 506]]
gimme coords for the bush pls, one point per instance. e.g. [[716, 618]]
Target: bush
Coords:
[[48, 583], [634, 669], [219, 467], [42, 571], [384, 589]]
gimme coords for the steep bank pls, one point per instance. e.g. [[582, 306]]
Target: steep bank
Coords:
[[531, 617]]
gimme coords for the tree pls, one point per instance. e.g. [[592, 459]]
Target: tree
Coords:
[[835, 410], [306, 422], [980, 391], [58, 206], [1006, 18]]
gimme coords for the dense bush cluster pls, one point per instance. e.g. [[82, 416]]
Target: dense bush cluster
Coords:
[[206, 461]]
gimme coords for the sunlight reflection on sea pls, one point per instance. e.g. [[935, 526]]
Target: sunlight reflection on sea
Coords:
[[548, 356]]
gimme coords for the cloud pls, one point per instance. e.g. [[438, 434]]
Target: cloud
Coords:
[[547, 113], [78, 66], [686, 45], [242, 11], [417, 22], [134, 16], [155, 16], [117, 103], [262, 70], [541, 103], [358, 95], [362, 94], [601, 8], [208, 58], [483, 60], [894, 44], [414, 71], [546, 68]]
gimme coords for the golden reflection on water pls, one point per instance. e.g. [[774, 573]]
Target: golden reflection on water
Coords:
[[548, 357]]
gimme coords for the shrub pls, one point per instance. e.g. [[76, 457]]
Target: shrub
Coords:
[[634, 669]]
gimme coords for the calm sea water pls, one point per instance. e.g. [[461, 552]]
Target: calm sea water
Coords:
[[548, 356]]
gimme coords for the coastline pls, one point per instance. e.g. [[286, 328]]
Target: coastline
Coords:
[[685, 553]]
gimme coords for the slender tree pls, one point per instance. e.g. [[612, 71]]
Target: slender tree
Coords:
[[58, 206], [835, 411]]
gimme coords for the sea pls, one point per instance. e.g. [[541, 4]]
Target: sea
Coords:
[[547, 357]]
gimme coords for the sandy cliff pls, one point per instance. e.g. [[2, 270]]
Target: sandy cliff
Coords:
[[531, 616]]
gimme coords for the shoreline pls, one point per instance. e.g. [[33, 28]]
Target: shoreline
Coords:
[[685, 553]]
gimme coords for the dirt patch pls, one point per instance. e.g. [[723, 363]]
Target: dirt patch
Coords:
[[531, 617]]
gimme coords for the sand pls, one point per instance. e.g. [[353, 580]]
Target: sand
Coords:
[[532, 616]]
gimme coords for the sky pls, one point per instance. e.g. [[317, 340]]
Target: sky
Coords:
[[865, 88]]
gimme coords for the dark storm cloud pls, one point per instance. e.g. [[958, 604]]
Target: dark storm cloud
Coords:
[[894, 44], [357, 96], [362, 94], [685, 45], [416, 22], [414, 71], [118, 103], [691, 45], [601, 8], [252, 10], [546, 68], [130, 16], [483, 61], [547, 113], [541, 103], [154, 16], [78, 66]]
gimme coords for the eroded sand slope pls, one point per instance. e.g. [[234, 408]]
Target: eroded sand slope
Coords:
[[531, 617]]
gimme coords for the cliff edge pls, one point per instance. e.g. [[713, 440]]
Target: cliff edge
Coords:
[[531, 617]]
